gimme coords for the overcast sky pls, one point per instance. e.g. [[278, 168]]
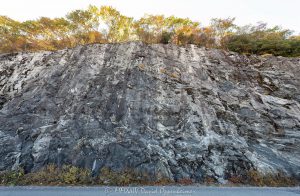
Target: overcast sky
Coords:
[[285, 13]]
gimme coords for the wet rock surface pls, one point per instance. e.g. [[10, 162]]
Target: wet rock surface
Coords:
[[164, 110]]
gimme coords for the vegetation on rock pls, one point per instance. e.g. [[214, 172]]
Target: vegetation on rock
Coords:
[[71, 175], [107, 25]]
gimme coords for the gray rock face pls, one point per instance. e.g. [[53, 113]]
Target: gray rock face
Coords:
[[164, 110]]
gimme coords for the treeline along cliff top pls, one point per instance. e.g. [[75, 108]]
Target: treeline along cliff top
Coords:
[[107, 25]]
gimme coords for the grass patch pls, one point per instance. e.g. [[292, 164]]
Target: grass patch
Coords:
[[256, 178], [51, 175]]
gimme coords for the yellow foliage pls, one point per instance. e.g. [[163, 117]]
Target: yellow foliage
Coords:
[[107, 25]]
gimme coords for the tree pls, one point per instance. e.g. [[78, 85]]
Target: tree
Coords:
[[11, 37], [118, 28], [150, 28], [222, 28], [260, 39], [84, 25], [106, 24], [184, 30]]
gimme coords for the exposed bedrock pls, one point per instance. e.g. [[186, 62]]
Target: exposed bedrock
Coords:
[[167, 111]]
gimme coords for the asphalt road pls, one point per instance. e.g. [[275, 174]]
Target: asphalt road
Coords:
[[151, 191]]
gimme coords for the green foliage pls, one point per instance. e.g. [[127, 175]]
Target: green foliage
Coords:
[[107, 25], [166, 37], [222, 30], [71, 175], [244, 44], [49, 175], [123, 178], [262, 40], [75, 175], [11, 178]]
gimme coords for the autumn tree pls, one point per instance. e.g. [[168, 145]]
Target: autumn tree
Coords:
[[82, 24], [107, 25], [184, 30], [11, 38], [118, 28], [150, 28], [222, 29]]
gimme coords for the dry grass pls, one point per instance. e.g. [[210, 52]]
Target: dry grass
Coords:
[[71, 175], [185, 181], [255, 178], [280, 179], [49, 175]]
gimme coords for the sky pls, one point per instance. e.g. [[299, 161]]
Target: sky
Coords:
[[285, 13]]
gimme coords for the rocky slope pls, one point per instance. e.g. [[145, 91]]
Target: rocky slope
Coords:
[[163, 110]]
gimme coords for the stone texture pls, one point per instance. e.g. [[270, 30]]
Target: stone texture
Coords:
[[164, 110]]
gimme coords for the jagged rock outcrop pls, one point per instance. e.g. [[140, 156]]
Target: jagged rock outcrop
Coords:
[[164, 110]]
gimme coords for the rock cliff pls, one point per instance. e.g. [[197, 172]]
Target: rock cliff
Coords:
[[167, 111]]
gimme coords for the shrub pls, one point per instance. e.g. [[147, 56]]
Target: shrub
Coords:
[[235, 179], [185, 181], [247, 43], [279, 179], [209, 180], [11, 177], [71, 175], [166, 37], [75, 175], [49, 175], [122, 178]]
